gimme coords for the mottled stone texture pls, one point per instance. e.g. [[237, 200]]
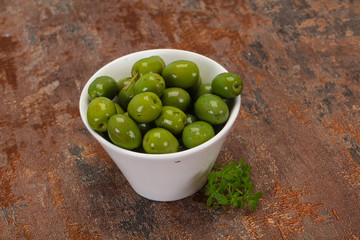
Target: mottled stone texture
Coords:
[[299, 124]]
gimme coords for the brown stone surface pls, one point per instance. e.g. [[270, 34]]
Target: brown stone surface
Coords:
[[299, 124]]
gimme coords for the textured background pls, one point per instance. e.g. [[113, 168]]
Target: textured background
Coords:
[[299, 124]]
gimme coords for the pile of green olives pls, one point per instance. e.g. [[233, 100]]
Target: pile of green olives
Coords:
[[161, 108]]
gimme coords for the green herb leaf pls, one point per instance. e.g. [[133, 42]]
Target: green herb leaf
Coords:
[[221, 199], [229, 184], [253, 204], [209, 202]]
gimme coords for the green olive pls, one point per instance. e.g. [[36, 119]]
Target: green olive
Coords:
[[211, 108], [203, 89], [124, 132], [154, 64], [118, 108], [176, 97], [197, 133], [190, 118], [144, 107], [181, 73], [194, 88], [159, 141], [172, 119], [227, 85], [103, 86], [144, 127], [123, 82], [159, 59], [99, 111], [125, 95], [150, 82]]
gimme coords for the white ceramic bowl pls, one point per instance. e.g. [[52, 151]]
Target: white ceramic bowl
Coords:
[[163, 177]]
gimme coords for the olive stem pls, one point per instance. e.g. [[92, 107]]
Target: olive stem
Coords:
[[132, 80]]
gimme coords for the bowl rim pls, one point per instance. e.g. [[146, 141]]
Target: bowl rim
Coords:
[[233, 112]]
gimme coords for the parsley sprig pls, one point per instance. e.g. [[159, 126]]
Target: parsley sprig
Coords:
[[229, 184]]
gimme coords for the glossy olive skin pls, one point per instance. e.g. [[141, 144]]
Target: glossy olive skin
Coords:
[[150, 82], [99, 112], [176, 97], [160, 141], [227, 85], [172, 119], [203, 89], [103, 86], [194, 88], [197, 133], [144, 107], [123, 82], [159, 59], [154, 64], [144, 127], [124, 132], [211, 108], [118, 108], [125, 95], [181, 73], [190, 118]]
